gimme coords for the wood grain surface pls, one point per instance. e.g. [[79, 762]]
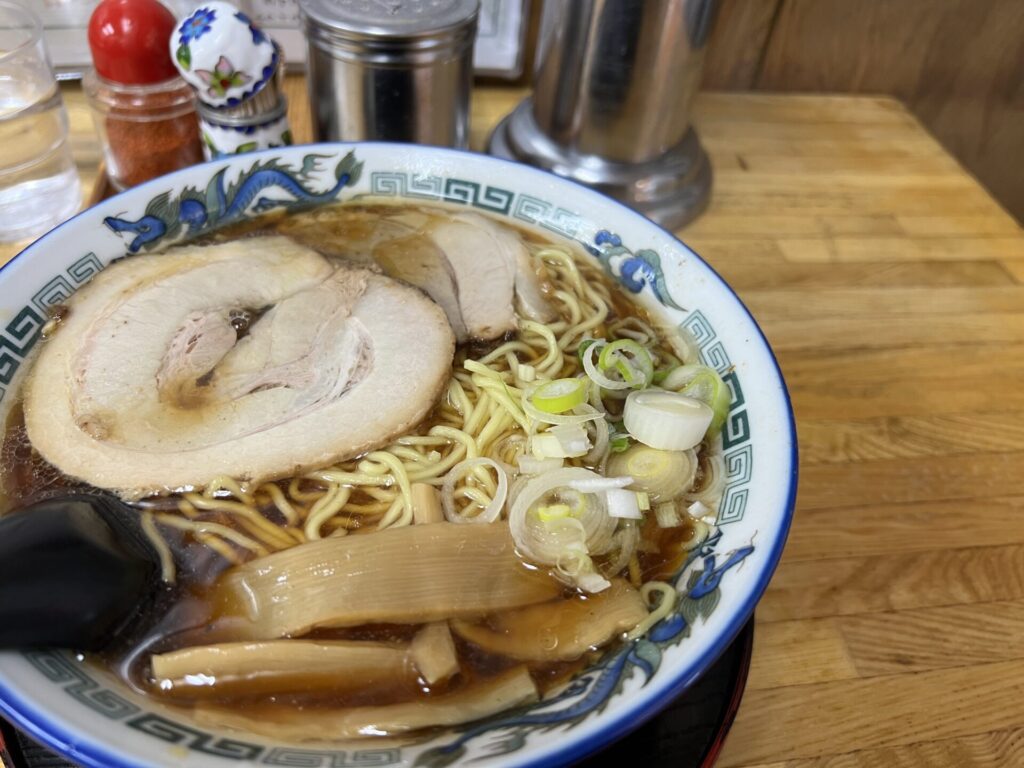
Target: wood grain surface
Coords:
[[739, 40], [889, 283], [955, 63], [892, 288]]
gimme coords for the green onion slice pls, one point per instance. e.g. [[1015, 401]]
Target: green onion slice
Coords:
[[547, 513], [618, 440], [560, 395], [619, 443], [631, 360], [702, 383], [581, 350]]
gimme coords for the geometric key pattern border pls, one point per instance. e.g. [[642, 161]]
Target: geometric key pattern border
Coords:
[[493, 199], [736, 446], [60, 668], [20, 335]]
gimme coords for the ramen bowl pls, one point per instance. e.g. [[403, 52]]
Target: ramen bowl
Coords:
[[85, 713]]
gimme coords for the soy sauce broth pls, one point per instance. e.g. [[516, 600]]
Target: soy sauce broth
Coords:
[[188, 615]]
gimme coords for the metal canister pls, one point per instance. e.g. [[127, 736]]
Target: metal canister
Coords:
[[390, 71], [611, 105]]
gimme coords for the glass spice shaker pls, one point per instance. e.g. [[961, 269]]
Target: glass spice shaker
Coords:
[[144, 112]]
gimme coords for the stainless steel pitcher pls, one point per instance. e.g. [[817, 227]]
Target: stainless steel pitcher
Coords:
[[614, 85]]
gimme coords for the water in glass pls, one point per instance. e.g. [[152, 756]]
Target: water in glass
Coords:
[[38, 182]]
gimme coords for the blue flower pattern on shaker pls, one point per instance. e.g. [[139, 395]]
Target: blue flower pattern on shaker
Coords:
[[257, 34], [265, 76], [196, 25]]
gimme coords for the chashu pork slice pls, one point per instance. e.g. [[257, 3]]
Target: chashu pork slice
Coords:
[[388, 237], [492, 268], [477, 269], [254, 359]]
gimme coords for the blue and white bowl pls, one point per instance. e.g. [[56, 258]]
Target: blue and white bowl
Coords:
[[87, 715]]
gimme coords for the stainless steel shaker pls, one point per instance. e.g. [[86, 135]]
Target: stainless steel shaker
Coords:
[[614, 84], [390, 70]]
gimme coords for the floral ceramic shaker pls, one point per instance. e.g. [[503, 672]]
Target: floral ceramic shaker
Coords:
[[235, 69]]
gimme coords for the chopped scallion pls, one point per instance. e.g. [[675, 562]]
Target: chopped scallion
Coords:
[[584, 345], [619, 444], [560, 395], [550, 512], [630, 360]]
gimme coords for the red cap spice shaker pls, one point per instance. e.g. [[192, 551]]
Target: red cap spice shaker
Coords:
[[144, 112]]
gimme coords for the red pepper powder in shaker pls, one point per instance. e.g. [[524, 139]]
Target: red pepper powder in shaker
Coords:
[[144, 112]]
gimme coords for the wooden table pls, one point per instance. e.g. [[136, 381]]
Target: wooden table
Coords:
[[890, 285]]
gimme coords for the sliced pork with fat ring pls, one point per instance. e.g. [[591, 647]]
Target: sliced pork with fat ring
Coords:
[[256, 359]]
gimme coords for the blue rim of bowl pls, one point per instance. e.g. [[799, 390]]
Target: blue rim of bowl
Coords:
[[39, 727]]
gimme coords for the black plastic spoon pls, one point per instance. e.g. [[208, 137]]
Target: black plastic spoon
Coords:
[[75, 572]]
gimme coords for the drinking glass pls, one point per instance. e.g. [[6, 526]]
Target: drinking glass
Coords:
[[39, 185]]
